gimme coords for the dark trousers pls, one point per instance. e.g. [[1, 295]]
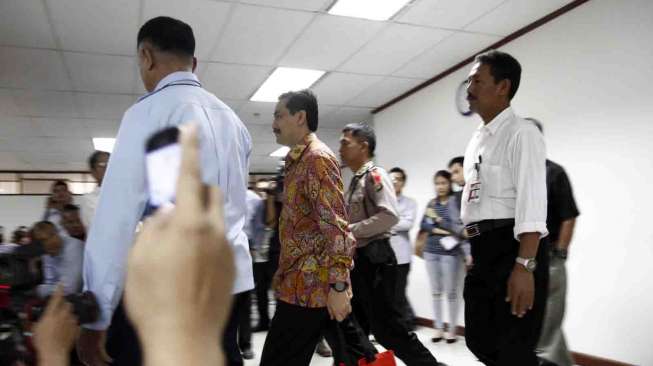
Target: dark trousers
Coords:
[[122, 341], [243, 307], [263, 279], [402, 300], [296, 330], [492, 333], [375, 288], [230, 336]]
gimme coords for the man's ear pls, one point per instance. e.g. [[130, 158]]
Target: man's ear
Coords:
[[194, 63], [147, 57], [504, 88], [366, 146], [301, 118]]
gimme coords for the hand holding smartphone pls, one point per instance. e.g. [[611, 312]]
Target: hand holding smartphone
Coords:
[[163, 160]]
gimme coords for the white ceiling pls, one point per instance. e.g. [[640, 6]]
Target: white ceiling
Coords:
[[68, 72]]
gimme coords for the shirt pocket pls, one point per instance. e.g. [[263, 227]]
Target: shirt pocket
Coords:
[[498, 181]]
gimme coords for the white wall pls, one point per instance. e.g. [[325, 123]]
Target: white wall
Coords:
[[20, 211], [587, 75]]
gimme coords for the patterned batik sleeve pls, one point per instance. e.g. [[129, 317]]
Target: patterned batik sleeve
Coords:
[[326, 192]]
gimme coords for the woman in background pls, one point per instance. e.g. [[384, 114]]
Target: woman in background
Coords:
[[442, 243]]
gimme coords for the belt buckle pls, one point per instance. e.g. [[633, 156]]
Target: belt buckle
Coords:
[[473, 230]]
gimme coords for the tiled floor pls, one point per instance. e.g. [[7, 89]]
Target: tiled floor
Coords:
[[455, 354]]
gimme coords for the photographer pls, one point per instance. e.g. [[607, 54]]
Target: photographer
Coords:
[[59, 198], [62, 262], [176, 312]]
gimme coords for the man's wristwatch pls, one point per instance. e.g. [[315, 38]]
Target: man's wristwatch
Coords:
[[339, 286], [529, 263]]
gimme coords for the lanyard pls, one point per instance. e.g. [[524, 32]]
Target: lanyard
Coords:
[[186, 82]]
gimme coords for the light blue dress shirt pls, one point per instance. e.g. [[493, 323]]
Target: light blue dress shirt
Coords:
[[225, 145], [64, 268]]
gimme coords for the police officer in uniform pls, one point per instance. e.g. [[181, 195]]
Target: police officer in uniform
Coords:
[[504, 206], [373, 212]]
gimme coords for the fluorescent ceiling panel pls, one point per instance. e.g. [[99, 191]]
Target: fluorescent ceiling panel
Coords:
[[284, 79], [104, 144], [368, 9]]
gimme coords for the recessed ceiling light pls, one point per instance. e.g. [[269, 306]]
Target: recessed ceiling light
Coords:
[[368, 9], [285, 79], [280, 152], [104, 144]]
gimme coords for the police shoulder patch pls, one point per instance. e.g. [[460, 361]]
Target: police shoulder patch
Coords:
[[376, 178]]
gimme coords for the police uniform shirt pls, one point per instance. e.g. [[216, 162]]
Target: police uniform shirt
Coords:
[[507, 156], [372, 204], [225, 145]]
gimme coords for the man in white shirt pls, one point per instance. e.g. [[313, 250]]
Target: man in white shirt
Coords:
[[62, 262], [54, 205], [400, 242], [165, 57], [97, 162], [504, 206]]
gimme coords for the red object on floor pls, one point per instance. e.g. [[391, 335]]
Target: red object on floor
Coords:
[[386, 358]]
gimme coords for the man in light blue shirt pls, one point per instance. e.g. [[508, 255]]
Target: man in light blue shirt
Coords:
[[62, 263], [166, 62]]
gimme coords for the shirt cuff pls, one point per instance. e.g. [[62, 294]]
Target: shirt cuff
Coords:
[[531, 227], [103, 321], [339, 273]]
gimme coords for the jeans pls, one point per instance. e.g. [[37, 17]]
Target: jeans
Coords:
[[443, 276]]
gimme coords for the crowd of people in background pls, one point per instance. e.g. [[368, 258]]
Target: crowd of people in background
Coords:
[[338, 260]]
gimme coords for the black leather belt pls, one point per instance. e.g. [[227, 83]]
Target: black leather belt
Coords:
[[485, 226]]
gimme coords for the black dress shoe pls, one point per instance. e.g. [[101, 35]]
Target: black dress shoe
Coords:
[[436, 339]]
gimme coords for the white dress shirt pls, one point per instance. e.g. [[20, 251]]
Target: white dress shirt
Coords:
[[64, 268], [225, 145], [400, 240], [512, 173], [88, 205]]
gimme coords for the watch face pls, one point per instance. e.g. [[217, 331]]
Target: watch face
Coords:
[[530, 265]]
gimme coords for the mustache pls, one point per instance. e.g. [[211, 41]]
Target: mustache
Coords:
[[276, 130], [470, 96]]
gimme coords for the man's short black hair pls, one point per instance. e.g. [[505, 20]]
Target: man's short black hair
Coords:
[[302, 100], [457, 160], [59, 183], [42, 226], [398, 170], [93, 159], [502, 66], [168, 35], [363, 133]]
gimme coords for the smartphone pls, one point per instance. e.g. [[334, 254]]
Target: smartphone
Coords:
[[162, 161]]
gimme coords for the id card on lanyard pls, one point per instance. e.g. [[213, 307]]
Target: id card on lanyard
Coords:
[[475, 184]]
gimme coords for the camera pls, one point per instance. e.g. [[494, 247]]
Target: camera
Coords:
[[20, 307]]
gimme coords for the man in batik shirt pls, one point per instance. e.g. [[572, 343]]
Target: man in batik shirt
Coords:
[[312, 284]]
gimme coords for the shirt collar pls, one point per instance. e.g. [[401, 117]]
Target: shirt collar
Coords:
[[367, 166], [498, 121], [174, 77], [298, 150]]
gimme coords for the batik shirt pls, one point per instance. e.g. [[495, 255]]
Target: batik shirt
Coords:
[[316, 246]]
